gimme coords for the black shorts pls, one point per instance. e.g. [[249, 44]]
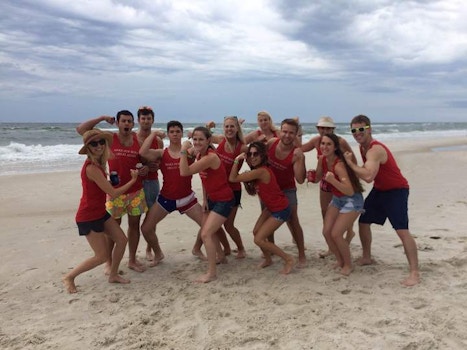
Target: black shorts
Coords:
[[96, 225]]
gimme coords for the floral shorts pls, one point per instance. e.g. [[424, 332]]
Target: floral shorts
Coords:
[[133, 204]]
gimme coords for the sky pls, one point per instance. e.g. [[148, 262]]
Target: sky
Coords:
[[394, 61]]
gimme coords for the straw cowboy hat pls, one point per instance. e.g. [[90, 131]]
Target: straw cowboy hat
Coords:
[[95, 135], [326, 122]]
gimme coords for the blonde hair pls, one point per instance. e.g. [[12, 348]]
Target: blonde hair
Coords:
[[102, 160], [267, 115], [240, 136]]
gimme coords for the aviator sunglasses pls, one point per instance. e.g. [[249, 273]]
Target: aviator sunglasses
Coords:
[[252, 154], [361, 129], [95, 143]]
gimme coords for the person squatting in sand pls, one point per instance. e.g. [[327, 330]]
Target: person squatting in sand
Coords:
[[388, 199], [92, 218], [346, 203], [262, 181], [218, 198], [176, 192]]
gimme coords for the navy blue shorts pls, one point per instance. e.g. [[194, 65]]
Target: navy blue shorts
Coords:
[[382, 205], [237, 198], [221, 208], [96, 225]]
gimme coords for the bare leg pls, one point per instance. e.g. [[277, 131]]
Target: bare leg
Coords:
[[365, 239], [110, 246], [155, 215], [297, 233], [149, 254], [339, 226], [133, 241], [196, 214], [235, 234], [115, 233], [324, 200], [410, 248]]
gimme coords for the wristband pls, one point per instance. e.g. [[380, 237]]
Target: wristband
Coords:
[[183, 152], [236, 161]]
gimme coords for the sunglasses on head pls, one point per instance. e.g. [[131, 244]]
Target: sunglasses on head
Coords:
[[361, 129], [95, 143], [252, 154]]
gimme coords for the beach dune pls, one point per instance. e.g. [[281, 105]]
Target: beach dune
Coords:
[[246, 308]]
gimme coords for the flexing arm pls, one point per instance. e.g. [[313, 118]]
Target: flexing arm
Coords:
[[343, 184], [211, 160], [299, 168], [374, 157], [147, 152], [89, 124]]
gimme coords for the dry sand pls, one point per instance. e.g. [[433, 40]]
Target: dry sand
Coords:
[[246, 308]]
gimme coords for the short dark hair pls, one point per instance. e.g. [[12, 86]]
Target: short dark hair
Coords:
[[291, 121], [125, 112], [360, 119], [144, 111], [173, 123]]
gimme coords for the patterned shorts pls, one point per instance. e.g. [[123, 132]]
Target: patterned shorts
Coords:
[[133, 204]]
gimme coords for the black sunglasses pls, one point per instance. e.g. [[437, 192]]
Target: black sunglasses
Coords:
[[95, 143], [252, 154]]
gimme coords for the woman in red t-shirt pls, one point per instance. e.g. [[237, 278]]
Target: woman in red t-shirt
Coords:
[[92, 219], [261, 180]]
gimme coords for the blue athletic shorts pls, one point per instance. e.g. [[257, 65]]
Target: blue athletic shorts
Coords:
[[182, 205], [151, 191], [382, 205]]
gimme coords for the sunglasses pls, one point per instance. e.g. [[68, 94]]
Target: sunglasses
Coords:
[[252, 154], [231, 117], [95, 143], [362, 129]]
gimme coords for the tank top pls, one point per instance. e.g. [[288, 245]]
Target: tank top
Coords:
[[215, 182], [125, 159], [228, 158], [270, 194], [174, 185], [389, 176], [282, 168], [92, 203], [324, 165]]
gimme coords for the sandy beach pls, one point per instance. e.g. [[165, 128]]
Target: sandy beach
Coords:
[[246, 308]]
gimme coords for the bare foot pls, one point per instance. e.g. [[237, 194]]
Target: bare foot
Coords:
[[69, 284], [265, 263], [412, 280], [136, 267], [157, 259], [222, 260], [227, 252], [205, 278], [346, 270], [241, 254], [288, 266], [199, 254], [301, 263], [107, 269], [118, 279], [365, 261], [337, 265], [325, 254], [149, 255]]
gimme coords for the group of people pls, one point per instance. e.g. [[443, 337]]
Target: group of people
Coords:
[[277, 162]]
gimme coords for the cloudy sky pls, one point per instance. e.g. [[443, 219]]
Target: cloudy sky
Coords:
[[195, 60]]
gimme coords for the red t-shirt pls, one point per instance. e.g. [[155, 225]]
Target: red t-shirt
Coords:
[[270, 193], [174, 186], [125, 159], [92, 203], [282, 168], [215, 183], [228, 158], [389, 176]]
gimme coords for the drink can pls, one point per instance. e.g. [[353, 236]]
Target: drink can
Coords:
[[114, 180], [311, 175]]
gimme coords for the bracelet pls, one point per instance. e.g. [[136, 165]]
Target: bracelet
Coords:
[[183, 152], [236, 161]]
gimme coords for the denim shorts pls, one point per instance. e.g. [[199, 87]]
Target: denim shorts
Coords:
[[347, 204], [221, 208], [282, 215]]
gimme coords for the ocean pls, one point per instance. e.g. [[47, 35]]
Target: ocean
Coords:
[[45, 147]]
